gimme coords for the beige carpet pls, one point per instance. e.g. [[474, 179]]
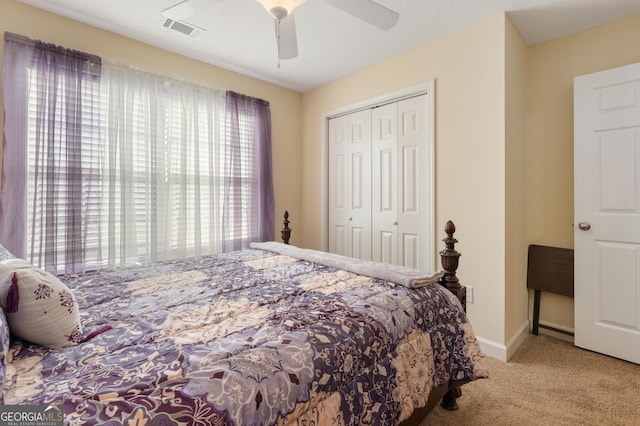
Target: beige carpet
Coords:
[[549, 382]]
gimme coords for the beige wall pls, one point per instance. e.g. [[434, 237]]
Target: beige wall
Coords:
[[516, 306], [468, 68], [285, 104], [549, 154]]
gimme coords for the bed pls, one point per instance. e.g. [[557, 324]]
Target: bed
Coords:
[[274, 334]]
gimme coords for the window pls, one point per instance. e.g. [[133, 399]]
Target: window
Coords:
[[125, 167]]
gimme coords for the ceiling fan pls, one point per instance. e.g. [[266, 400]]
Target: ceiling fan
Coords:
[[283, 14]]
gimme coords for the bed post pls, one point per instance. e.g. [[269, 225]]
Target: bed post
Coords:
[[450, 258], [286, 231]]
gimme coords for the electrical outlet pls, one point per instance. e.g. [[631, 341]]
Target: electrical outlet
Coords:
[[469, 294]]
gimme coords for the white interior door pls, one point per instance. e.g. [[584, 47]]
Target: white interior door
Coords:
[[384, 200], [350, 185], [339, 207], [415, 186], [360, 183], [607, 212]]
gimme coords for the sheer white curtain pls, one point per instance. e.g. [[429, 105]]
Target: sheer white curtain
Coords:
[[163, 168]]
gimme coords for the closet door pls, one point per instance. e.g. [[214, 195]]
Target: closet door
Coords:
[[384, 200], [338, 186], [415, 209], [381, 183], [350, 185]]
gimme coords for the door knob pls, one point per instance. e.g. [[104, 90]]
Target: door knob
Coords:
[[584, 226]]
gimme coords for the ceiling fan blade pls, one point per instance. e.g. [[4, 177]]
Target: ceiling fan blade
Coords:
[[188, 8], [369, 11], [288, 40]]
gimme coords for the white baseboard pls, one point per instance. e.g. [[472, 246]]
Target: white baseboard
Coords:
[[517, 339], [501, 351], [505, 352], [493, 349], [552, 333]]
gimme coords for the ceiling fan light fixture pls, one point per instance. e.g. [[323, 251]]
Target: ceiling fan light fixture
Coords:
[[287, 5]]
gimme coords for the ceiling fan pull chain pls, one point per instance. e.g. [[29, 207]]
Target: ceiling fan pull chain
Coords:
[[278, 38]]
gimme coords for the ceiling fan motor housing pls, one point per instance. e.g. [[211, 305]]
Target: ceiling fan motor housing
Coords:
[[278, 12]]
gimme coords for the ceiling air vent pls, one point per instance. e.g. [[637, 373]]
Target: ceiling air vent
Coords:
[[181, 27]]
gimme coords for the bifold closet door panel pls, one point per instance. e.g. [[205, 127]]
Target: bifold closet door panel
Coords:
[[384, 184], [414, 184], [338, 186], [350, 185]]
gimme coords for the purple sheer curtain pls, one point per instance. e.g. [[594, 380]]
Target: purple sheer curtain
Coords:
[[14, 98], [51, 99], [249, 196]]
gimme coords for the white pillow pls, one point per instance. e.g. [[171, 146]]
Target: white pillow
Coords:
[[47, 313]]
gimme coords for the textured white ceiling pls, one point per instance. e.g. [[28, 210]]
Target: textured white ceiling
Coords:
[[239, 34]]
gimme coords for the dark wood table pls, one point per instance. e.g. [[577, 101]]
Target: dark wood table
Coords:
[[549, 269]]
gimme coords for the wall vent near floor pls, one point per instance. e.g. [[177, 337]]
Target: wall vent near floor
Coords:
[[181, 27]]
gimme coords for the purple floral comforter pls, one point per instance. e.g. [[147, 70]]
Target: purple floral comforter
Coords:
[[244, 338]]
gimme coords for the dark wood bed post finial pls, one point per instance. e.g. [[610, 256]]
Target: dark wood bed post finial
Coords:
[[286, 231], [450, 258]]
